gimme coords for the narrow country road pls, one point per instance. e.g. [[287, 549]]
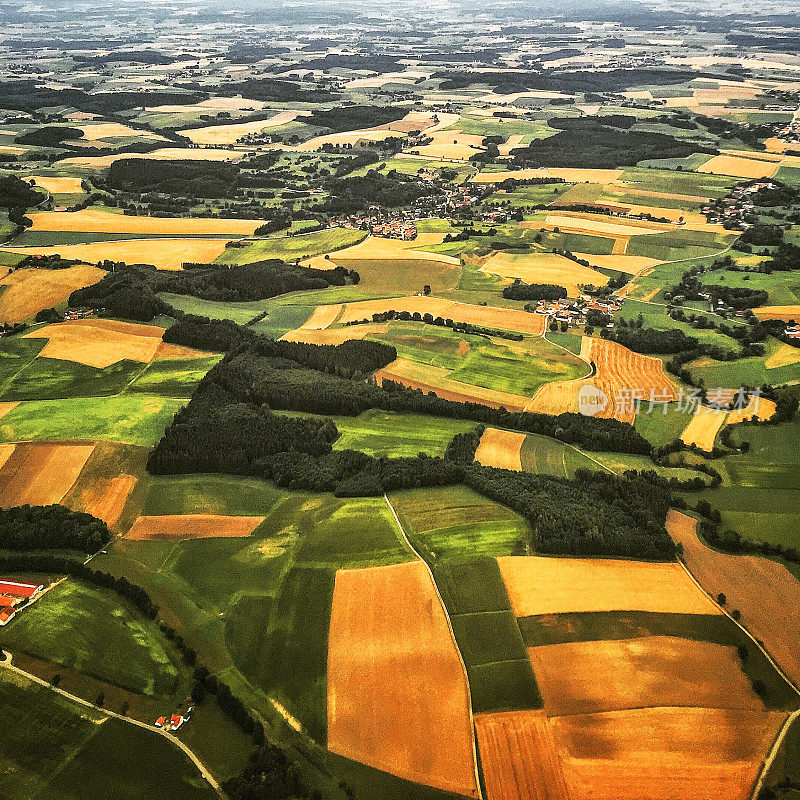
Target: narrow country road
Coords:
[[6, 663]]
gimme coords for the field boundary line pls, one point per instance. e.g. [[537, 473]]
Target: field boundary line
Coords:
[[741, 627], [453, 639], [7, 664], [773, 753]]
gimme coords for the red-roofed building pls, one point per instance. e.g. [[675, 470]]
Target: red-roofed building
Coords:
[[160, 722], [175, 721], [5, 614], [16, 589]]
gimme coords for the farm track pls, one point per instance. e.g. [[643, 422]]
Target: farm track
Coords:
[[6, 664], [413, 549]]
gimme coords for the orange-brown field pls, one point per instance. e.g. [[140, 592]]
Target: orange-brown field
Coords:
[[86, 342], [501, 449], [105, 498], [550, 585], [765, 592], [664, 753], [167, 254], [518, 757], [41, 474], [786, 313], [652, 671], [397, 693], [97, 221], [488, 316], [619, 374], [703, 427], [56, 185], [428, 378], [192, 526], [31, 290]]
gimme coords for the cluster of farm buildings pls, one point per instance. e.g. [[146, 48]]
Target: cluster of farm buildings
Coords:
[[732, 209], [573, 312], [399, 225], [176, 720], [14, 596]]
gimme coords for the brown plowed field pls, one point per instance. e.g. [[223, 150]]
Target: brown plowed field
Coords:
[[192, 526], [545, 585], [499, 448], [41, 474], [507, 319], [518, 757], [765, 592], [105, 499], [652, 671], [619, 373], [166, 351], [30, 290], [397, 694], [664, 753]]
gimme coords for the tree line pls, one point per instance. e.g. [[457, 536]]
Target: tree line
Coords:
[[51, 527]]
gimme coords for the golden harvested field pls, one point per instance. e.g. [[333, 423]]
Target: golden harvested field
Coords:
[[41, 474], [569, 175], [165, 350], [783, 356], [518, 757], [436, 379], [114, 130], [97, 221], [345, 138], [759, 407], [229, 134], [664, 753], [739, 167], [375, 248], [603, 225], [542, 585], [501, 449], [765, 592], [397, 693], [322, 317], [620, 373], [55, 185], [167, 254], [334, 335], [786, 313], [652, 671], [95, 345], [623, 263], [544, 268], [451, 145], [703, 427], [164, 154], [490, 316], [192, 526], [30, 289]]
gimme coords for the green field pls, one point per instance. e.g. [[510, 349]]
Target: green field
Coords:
[[661, 428], [110, 767], [135, 419], [384, 434], [93, 631], [292, 248], [454, 523], [51, 379], [697, 184], [172, 377], [750, 371], [487, 634], [391, 276]]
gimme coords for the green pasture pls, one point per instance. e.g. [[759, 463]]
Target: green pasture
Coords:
[[172, 377], [135, 419], [93, 631], [292, 248]]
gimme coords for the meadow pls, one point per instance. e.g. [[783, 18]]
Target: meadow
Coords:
[[92, 631], [292, 248]]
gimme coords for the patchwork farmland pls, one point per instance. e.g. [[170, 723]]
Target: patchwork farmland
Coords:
[[400, 404]]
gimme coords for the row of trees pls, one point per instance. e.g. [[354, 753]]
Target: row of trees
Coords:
[[519, 290]]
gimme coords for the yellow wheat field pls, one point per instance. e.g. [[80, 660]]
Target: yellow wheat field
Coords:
[[501, 449]]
